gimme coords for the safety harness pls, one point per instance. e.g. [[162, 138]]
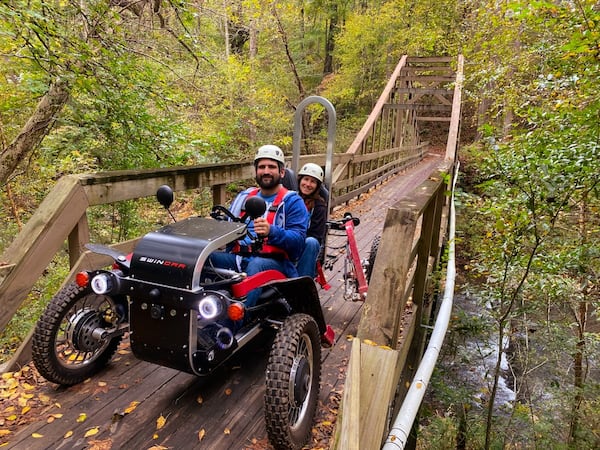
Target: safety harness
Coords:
[[262, 248]]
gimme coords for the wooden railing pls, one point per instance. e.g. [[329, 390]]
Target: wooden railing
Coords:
[[392, 331], [387, 143]]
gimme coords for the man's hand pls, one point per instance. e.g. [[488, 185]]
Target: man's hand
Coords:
[[261, 227]]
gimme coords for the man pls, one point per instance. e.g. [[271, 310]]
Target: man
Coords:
[[283, 227]]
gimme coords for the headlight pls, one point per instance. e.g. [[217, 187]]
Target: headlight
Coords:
[[102, 283], [211, 307]]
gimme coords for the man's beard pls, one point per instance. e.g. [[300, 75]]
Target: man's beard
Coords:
[[268, 181]]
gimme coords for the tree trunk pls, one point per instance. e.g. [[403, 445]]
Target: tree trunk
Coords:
[[581, 316], [329, 44], [288, 53], [37, 127], [253, 50]]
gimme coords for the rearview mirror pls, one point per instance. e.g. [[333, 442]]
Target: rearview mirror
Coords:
[[164, 195]]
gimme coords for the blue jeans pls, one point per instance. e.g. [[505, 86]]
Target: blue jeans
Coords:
[[252, 265], [307, 265]]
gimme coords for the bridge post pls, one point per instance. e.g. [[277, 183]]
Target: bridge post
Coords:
[[388, 287], [219, 194], [453, 132], [77, 239]]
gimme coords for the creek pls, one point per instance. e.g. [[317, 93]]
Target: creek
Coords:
[[470, 353]]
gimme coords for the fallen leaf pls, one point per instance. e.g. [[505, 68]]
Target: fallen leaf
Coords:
[[131, 407], [227, 431], [82, 417], [105, 444], [68, 434], [37, 435], [26, 409], [102, 383], [155, 436], [91, 432], [4, 432], [201, 434], [160, 422], [199, 399]]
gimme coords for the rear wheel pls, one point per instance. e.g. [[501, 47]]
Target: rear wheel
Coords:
[[293, 382], [67, 345], [372, 256]]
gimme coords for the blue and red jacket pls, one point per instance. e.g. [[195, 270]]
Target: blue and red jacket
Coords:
[[288, 218]]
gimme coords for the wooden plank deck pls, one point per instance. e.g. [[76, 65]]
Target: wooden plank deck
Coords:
[[122, 404]]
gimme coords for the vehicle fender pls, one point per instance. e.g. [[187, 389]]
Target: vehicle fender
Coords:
[[302, 296]]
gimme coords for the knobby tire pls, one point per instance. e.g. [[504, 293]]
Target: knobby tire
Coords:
[[289, 410], [68, 367]]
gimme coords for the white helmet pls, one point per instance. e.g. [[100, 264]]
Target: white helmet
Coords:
[[313, 170], [270, 151]]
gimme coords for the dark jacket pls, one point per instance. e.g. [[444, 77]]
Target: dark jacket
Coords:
[[318, 218]]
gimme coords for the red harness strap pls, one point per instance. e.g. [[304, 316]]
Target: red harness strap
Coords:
[[265, 249]]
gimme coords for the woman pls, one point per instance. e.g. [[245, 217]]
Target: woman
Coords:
[[310, 179]]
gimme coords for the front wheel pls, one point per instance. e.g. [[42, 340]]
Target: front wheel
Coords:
[[293, 382], [67, 345]]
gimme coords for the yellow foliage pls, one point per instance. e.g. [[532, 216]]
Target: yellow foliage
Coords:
[[131, 407], [91, 432]]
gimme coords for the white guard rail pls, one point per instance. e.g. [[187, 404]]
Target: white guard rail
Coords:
[[403, 423]]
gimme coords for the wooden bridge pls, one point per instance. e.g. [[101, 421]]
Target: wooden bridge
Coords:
[[390, 177]]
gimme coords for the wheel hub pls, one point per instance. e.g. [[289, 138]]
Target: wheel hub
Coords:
[[301, 377], [81, 327]]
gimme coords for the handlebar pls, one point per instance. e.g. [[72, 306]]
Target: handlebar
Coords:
[[340, 224], [219, 212]]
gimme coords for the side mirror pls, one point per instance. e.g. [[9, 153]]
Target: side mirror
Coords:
[[255, 207], [164, 195]]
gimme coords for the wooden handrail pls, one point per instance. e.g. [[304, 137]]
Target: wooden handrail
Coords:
[[63, 215], [390, 336]]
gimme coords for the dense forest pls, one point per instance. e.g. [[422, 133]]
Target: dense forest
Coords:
[[119, 84]]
